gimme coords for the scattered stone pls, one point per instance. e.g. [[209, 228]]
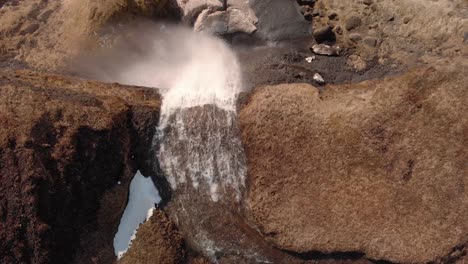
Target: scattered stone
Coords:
[[300, 75], [382, 61], [306, 2], [308, 16], [355, 37], [356, 62], [372, 32], [315, 13], [367, 2], [318, 78], [30, 29], [333, 16], [370, 41], [324, 34], [323, 49], [44, 16], [352, 23], [406, 20], [306, 9], [391, 18], [92, 13], [465, 38], [310, 59], [339, 30]]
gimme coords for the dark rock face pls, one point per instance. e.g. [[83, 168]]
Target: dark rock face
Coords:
[[352, 23], [377, 167], [324, 33], [63, 143], [279, 19]]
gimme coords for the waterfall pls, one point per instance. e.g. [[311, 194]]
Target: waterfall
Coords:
[[198, 137], [199, 77], [198, 142]]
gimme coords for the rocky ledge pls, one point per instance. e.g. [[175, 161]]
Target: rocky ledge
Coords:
[[68, 149], [375, 169]]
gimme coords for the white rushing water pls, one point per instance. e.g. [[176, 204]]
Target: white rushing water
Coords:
[[199, 77], [198, 139]]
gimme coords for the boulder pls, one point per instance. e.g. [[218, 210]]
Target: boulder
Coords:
[[269, 19], [323, 49], [324, 33], [370, 41], [353, 22], [356, 62], [191, 9], [278, 19], [355, 37], [225, 22], [377, 167], [68, 150]]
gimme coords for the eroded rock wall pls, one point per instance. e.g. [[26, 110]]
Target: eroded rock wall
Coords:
[[68, 148]]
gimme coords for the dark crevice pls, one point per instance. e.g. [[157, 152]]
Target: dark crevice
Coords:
[[317, 255], [225, 4], [157, 174], [409, 172], [335, 256], [455, 255], [144, 150]]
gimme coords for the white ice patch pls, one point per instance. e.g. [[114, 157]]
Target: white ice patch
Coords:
[[141, 203]]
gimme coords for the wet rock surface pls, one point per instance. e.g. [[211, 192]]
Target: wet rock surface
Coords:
[[64, 146], [362, 168], [286, 63]]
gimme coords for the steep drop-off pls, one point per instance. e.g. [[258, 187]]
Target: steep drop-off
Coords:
[[68, 148]]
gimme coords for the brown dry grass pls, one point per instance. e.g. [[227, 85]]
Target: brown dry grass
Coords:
[[46, 34]]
